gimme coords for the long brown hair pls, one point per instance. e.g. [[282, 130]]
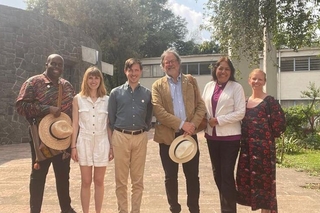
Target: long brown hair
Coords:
[[85, 90]]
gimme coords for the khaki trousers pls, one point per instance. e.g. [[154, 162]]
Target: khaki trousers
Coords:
[[129, 156]]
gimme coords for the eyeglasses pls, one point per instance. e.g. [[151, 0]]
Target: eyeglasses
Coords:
[[170, 62]]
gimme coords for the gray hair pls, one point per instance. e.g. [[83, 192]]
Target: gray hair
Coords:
[[170, 50]]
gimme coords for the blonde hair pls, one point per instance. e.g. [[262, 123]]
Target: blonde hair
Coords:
[[258, 70], [85, 90]]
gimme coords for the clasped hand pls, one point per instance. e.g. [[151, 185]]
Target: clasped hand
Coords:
[[213, 122], [188, 128]]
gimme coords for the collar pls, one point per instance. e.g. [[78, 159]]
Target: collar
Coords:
[[127, 86], [47, 80], [221, 85], [171, 79], [103, 98]]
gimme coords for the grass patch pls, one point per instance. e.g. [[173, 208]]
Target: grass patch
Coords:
[[312, 186], [306, 160]]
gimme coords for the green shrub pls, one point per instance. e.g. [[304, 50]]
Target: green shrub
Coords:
[[312, 141], [288, 145], [296, 121]]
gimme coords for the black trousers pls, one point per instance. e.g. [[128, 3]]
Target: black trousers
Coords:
[[61, 169], [223, 156], [191, 172]]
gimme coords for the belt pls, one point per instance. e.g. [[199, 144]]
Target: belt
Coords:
[[130, 132], [178, 133]]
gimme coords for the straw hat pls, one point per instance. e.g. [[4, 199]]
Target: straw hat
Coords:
[[55, 132], [183, 149]]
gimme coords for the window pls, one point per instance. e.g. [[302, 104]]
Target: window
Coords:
[[287, 64], [193, 69], [146, 71], [315, 63], [184, 68], [205, 68], [301, 64], [157, 71]]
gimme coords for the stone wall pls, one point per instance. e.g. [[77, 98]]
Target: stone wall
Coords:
[[26, 40]]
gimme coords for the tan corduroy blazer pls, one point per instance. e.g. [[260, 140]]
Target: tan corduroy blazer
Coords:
[[166, 122]]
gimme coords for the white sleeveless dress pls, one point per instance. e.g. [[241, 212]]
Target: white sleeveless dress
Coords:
[[92, 142]]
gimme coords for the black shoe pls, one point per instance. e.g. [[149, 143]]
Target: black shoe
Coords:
[[71, 210]]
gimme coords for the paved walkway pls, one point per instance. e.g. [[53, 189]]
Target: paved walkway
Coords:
[[15, 165]]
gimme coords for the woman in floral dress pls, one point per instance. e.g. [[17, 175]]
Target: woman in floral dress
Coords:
[[256, 173]]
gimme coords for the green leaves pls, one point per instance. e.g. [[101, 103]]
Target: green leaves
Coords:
[[122, 28], [239, 24]]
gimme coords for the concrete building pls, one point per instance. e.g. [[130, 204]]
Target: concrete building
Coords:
[[296, 71]]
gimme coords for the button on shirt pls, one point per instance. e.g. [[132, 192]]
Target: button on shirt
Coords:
[[93, 115], [130, 109], [177, 99], [38, 93]]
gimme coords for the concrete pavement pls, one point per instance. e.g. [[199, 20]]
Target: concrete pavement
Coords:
[[293, 194]]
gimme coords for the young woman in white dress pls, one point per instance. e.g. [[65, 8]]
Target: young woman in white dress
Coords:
[[90, 143]]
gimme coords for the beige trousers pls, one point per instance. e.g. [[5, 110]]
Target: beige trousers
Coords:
[[129, 156]]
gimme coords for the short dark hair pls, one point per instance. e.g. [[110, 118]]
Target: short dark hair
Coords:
[[130, 62]]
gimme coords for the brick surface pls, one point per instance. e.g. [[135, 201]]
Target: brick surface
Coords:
[[15, 165]]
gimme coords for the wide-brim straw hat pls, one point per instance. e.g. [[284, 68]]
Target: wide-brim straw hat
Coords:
[[55, 132], [183, 149]]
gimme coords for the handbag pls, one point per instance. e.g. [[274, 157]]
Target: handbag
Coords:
[[41, 150], [204, 122]]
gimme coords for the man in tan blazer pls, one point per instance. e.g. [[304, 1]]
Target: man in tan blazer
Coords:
[[178, 111]]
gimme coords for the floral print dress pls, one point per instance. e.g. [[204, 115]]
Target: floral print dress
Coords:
[[256, 173]]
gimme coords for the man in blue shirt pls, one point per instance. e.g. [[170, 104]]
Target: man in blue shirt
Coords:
[[130, 115], [178, 112]]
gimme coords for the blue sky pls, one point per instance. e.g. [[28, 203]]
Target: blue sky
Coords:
[[191, 10], [14, 3]]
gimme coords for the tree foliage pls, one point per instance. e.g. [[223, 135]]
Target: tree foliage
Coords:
[[38, 6], [239, 24], [187, 47], [162, 28], [297, 23], [122, 28], [209, 47]]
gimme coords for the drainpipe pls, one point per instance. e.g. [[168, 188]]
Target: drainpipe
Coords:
[[279, 76]]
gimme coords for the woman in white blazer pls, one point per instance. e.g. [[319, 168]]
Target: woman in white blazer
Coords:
[[225, 103]]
